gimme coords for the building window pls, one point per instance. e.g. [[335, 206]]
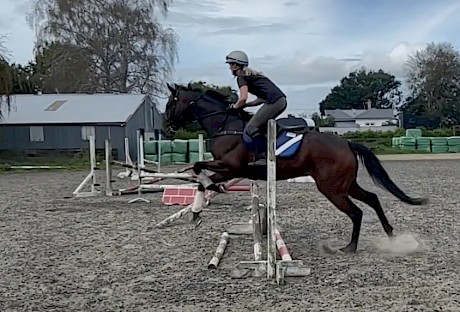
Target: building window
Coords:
[[87, 131], [36, 134]]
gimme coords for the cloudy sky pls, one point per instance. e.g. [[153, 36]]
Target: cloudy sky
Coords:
[[305, 46]]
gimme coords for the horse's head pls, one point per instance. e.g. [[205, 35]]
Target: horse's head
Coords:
[[179, 106], [187, 104]]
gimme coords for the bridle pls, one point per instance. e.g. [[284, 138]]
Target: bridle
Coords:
[[190, 109]]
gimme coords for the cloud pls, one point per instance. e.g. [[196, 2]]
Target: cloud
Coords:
[[229, 25], [314, 70], [291, 3], [304, 46]]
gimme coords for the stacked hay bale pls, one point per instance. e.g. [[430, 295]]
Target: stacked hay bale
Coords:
[[413, 140], [151, 150], [423, 144], [179, 151], [193, 150], [409, 142], [193, 154], [453, 144], [439, 145]]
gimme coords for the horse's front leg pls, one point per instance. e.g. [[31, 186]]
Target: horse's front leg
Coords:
[[222, 174]]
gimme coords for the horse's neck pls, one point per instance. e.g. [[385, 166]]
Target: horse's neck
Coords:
[[214, 119]]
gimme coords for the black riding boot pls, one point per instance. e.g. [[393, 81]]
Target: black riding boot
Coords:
[[261, 159]]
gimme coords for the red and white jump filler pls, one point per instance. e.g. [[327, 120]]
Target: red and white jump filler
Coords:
[[184, 195]]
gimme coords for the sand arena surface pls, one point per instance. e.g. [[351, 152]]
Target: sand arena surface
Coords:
[[99, 254]]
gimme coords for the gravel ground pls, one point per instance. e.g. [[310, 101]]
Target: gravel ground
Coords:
[[100, 254]]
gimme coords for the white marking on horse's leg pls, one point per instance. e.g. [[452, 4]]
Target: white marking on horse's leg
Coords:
[[198, 202], [204, 179]]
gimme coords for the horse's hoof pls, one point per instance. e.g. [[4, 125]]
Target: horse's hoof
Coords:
[[326, 248], [197, 222], [348, 249], [223, 188], [196, 219], [213, 187]]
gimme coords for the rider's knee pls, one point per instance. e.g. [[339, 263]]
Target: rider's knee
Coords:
[[252, 131]]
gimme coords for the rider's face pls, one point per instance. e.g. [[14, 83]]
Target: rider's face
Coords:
[[233, 67]]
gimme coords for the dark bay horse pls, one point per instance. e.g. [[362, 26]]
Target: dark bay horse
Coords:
[[330, 160]]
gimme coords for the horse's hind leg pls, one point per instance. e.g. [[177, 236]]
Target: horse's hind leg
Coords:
[[372, 200], [343, 203]]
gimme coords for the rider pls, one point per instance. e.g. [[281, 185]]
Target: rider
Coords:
[[267, 93]]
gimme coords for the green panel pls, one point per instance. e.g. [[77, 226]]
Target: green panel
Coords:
[[424, 147], [453, 140], [166, 159], [407, 140], [193, 157], [180, 146], [408, 147], [151, 148], [193, 145], [207, 156], [179, 158], [414, 133], [454, 148], [440, 141], [423, 141], [152, 157], [166, 146], [440, 149]]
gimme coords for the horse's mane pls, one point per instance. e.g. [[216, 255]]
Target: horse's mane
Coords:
[[218, 97]]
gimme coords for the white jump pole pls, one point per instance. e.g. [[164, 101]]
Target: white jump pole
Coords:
[[91, 175], [140, 167], [271, 199], [159, 153], [271, 268], [200, 147], [127, 157], [108, 168]]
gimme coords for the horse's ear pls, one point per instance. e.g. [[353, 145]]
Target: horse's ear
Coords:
[[171, 88], [189, 86]]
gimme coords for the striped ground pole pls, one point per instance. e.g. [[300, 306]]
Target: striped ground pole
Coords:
[[175, 216], [219, 251], [281, 246]]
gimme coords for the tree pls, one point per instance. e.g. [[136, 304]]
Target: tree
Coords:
[[327, 121], [381, 88], [64, 68], [230, 93], [434, 81], [118, 44], [22, 78], [5, 78], [224, 90]]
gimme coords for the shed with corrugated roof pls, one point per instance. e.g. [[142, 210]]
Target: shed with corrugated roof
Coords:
[[51, 123]]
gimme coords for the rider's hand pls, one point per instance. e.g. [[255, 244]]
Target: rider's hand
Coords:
[[234, 106]]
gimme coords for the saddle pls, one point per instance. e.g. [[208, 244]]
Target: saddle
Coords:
[[296, 125], [286, 126], [291, 124]]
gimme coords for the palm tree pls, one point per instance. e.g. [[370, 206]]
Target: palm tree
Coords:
[[5, 78]]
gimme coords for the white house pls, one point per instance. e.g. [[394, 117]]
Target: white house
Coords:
[[362, 120]]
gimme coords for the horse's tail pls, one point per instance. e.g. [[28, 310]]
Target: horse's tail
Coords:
[[380, 176]]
